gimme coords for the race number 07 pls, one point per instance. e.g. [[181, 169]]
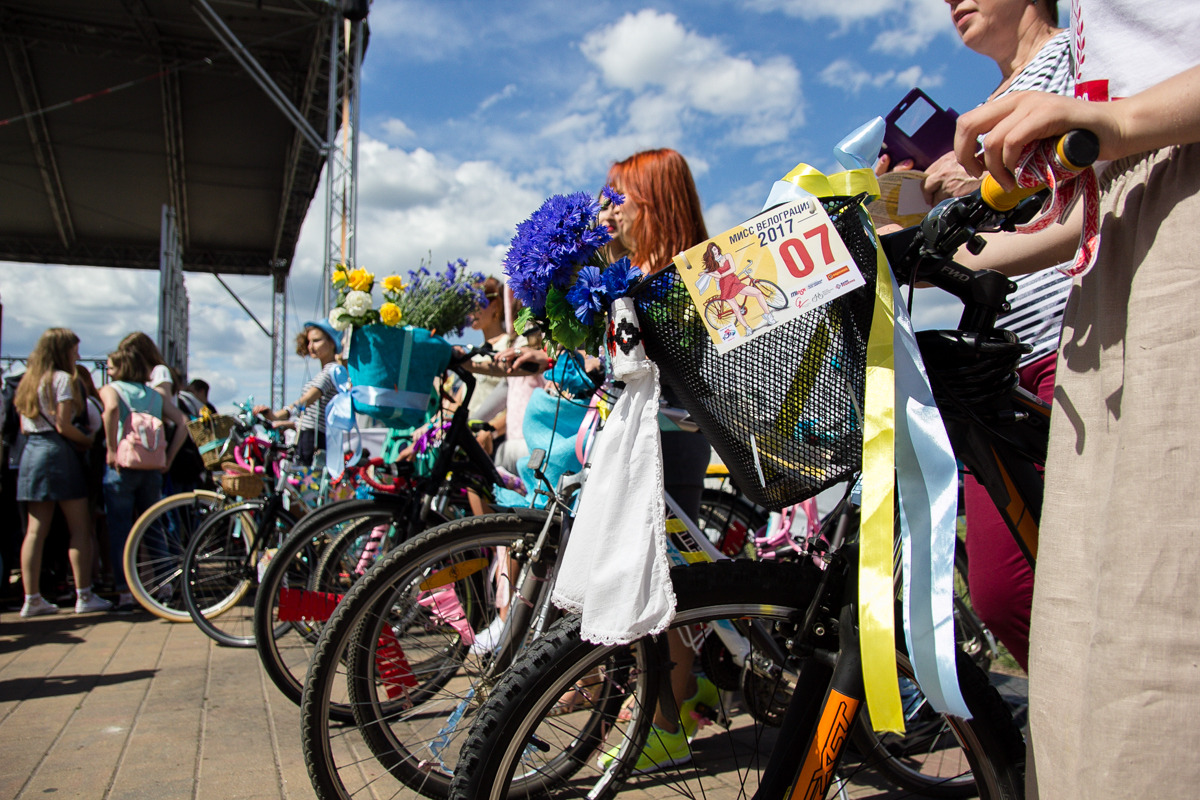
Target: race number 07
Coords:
[[793, 249]]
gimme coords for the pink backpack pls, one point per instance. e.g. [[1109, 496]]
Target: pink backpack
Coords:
[[141, 438]]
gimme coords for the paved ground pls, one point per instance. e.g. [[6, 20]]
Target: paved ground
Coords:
[[130, 707]]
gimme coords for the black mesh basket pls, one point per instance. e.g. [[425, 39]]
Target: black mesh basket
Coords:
[[783, 410]]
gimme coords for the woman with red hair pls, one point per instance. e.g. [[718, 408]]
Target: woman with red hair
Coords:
[[661, 217]]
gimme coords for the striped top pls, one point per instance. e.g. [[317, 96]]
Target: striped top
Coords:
[[1039, 300], [313, 416]]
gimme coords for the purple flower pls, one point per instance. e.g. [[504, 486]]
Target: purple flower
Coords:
[[588, 295], [613, 196]]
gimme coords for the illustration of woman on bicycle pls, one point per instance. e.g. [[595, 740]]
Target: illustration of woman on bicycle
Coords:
[[731, 287]]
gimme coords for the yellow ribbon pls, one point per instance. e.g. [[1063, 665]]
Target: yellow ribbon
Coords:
[[876, 592], [839, 184]]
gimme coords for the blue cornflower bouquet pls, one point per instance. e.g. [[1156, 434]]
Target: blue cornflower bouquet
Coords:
[[557, 269]]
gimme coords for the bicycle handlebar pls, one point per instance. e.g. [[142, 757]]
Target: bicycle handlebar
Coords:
[[1075, 151], [925, 252]]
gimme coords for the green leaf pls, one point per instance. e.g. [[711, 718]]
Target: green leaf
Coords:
[[524, 319]]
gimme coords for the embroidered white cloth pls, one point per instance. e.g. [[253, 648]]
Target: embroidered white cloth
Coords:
[[614, 569]]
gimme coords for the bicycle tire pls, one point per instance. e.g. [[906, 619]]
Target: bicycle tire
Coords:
[[393, 749], [297, 565], [715, 313], [776, 297], [154, 549], [730, 522], [724, 762], [219, 581]]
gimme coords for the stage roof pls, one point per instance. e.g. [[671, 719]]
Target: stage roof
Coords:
[[142, 105]]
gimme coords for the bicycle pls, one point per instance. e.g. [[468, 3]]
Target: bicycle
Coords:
[[326, 554], [153, 556], [719, 314], [400, 651], [816, 689]]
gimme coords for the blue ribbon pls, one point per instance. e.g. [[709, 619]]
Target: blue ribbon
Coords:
[[861, 148], [341, 422], [927, 479]]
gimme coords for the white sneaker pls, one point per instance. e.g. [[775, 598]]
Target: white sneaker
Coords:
[[88, 602], [487, 639], [769, 318], [38, 607]]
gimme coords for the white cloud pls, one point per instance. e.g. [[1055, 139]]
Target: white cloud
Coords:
[[505, 93], [907, 26], [673, 72], [423, 31], [395, 130], [849, 76]]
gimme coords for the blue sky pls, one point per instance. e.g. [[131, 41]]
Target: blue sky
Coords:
[[473, 112]]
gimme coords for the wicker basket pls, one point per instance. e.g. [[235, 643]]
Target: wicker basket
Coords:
[[783, 410], [210, 433], [240, 482]]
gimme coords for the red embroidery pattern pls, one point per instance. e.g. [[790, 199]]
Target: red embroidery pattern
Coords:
[[1040, 166]]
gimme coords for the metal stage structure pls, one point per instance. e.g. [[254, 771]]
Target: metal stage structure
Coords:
[[134, 133]]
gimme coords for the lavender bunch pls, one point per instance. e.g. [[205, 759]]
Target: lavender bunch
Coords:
[[442, 301]]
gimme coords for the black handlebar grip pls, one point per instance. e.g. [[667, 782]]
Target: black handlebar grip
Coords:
[[1078, 149]]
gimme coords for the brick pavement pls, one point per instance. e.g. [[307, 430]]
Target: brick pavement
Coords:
[[134, 708]]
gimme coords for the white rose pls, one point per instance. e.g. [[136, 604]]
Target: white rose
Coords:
[[339, 319], [357, 303]]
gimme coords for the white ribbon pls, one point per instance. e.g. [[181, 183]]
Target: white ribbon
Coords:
[[614, 568], [340, 421], [927, 479]]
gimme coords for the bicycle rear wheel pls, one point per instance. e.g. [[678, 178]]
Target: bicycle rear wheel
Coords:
[[307, 578], [221, 570], [154, 551], [404, 652], [720, 762]]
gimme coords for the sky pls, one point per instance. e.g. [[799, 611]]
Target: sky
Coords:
[[473, 112]]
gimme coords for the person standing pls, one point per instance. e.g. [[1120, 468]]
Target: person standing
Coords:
[[1032, 54], [1114, 661], [51, 473], [320, 341], [129, 490], [661, 216]]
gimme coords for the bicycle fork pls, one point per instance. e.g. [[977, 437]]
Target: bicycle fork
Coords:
[[828, 696]]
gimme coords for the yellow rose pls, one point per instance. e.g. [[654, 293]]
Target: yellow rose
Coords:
[[392, 283], [339, 277], [361, 280], [389, 313]]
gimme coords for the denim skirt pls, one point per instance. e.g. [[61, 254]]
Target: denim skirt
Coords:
[[50, 469]]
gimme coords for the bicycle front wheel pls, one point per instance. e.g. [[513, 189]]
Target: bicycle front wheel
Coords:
[[776, 297], [519, 722], [306, 579], [154, 551], [409, 652], [221, 569]]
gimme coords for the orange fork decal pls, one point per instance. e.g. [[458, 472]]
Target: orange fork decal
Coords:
[[1018, 512], [817, 773]]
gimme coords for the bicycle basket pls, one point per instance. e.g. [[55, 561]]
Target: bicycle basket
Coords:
[[210, 433], [783, 410]]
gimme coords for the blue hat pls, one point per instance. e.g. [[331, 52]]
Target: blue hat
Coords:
[[330, 331]]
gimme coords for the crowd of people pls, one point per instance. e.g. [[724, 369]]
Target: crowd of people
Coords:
[[1107, 629], [97, 458]]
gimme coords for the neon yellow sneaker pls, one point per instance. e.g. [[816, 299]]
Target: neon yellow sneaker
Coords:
[[700, 709], [662, 750]]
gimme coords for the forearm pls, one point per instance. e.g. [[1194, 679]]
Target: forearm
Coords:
[[1022, 253], [1163, 115]]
